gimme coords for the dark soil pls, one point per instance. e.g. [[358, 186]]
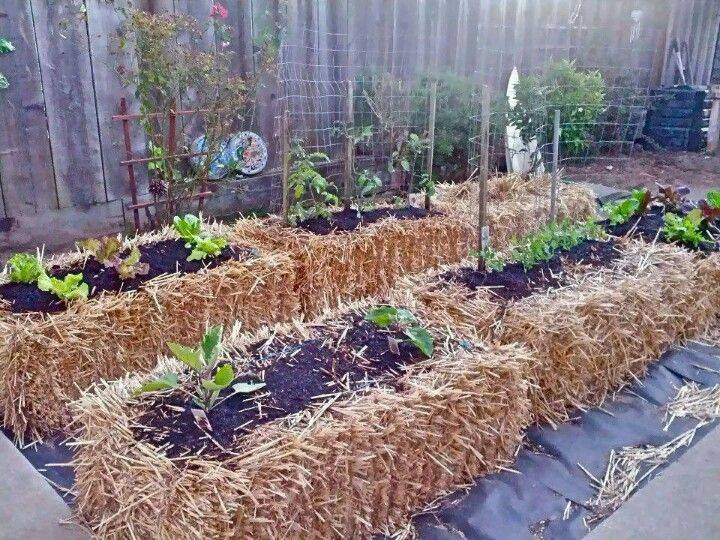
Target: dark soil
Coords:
[[514, 282], [348, 220], [165, 257], [648, 227], [297, 375]]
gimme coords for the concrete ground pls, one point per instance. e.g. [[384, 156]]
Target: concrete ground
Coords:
[[29, 508], [682, 502]]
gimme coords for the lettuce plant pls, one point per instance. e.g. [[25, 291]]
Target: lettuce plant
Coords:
[[71, 287], [387, 316], [710, 206], [685, 229], [25, 268], [203, 245], [107, 251], [209, 377], [620, 212]]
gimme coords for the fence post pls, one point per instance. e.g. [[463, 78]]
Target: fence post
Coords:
[[350, 150], [483, 229], [555, 165], [285, 135], [431, 137]]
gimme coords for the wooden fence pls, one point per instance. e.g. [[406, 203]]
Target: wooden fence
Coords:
[[60, 151]]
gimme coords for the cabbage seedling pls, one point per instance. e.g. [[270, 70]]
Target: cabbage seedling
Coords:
[[387, 316]]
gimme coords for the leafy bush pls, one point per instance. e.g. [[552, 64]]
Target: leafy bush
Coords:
[[71, 287], [542, 245], [208, 377], [203, 245], [579, 95], [387, 316], [314, 195], [622, 211], [25, 268], [685, 229]]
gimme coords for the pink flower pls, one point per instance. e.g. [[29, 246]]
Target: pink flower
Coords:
[[219, 11]]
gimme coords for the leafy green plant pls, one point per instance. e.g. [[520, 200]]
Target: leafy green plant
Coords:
[[25, 268], [494, 262], [713, 198], [5, 47], [685, 229], [209, 376], [622, 211], [366, 186], [542, 245], [71, 287], [579, 95], [108, 252], [388, 316], [203, 245], [314, 195]]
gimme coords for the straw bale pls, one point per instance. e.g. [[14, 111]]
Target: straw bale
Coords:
[[516, 206], [605, 329], [46, 358], [341, 267], [365, 465]]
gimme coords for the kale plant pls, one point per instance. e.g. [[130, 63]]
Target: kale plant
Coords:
[[209, 376]]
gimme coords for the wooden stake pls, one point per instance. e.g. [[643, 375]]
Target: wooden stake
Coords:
[[431, 137], [483, 229], [555, 167], [714, 129], [171, 149], [285, 135], [350, 150], [129, 158]]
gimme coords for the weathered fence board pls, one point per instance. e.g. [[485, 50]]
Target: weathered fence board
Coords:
[[67, 75], [59, 146], [26, 171]]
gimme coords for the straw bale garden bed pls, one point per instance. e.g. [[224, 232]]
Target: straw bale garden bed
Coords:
[[138, 293], [331, 441]]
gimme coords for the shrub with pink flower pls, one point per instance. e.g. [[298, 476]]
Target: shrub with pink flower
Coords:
[[219, 11]]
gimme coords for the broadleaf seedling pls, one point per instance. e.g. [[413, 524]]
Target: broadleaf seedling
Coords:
[[25, 268], [203, 245], [389, 316]]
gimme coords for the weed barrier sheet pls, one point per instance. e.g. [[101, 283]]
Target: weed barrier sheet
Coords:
[[547, 495]]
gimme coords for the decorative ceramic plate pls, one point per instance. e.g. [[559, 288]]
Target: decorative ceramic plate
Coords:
[[248, 150], [218, 166]]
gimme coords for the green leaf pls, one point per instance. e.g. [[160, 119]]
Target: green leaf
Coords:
[[6, 46], [422, 339], [4, 84], [211, 342], [167, 381], [695, 216], [71, 287], [222, 379], [188, 356], [248, 388], [382, 316], [713, 198], [25, 268], [405, 164], [187, 227], [404, 316]]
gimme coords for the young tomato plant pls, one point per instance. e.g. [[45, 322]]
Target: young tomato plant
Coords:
[[314, 195], [25, 268], [208, 375], [494, 262], [685, 229], [367, 185], [388, 316], [203, 245]]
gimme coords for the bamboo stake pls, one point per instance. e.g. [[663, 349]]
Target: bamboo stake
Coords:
[[555, 171], [350, 155], [431, 137], [285, 167], [483, 229]]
